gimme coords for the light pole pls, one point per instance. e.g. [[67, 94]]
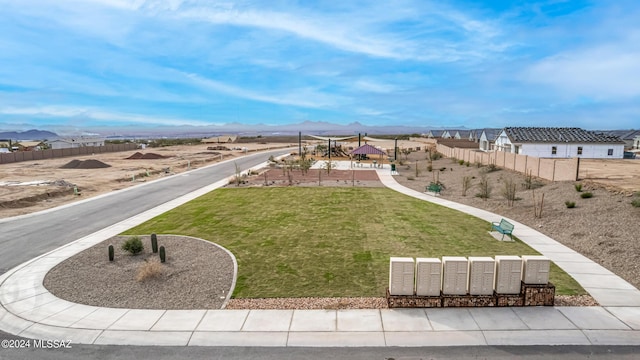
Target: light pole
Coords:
[[395, 151]]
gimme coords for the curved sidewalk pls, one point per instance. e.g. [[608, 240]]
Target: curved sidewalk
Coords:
[[29, 310]]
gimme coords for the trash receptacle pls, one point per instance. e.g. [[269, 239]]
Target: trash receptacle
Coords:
[[393, 167]]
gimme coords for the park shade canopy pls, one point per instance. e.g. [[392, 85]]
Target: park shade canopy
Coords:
[[367, 149]]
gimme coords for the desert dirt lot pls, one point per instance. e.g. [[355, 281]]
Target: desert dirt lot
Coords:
[[620, 174], [52, 185]]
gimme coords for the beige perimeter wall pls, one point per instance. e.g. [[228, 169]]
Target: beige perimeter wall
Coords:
[[57, 153], [549, 169]]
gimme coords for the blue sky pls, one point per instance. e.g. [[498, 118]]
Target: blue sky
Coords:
[[77, 64]]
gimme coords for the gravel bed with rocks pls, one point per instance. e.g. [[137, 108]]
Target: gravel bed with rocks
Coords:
[[197, 274]]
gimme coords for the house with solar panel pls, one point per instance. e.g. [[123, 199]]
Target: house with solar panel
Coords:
[[487, 139], [552, 142]]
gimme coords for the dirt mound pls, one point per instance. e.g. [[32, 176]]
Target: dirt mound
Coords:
[[86, 164], [148, 156], [30, 200]]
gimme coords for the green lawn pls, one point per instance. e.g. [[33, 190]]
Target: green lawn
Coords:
[[329, 242]]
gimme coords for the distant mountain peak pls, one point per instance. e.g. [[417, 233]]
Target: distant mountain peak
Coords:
[[32, 134]]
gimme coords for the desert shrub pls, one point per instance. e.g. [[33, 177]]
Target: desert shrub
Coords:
[[578, 187], [466, 184], [429, 168], [444, 168], [485, 188], [436, 155], [491, 168], [635, 202], [570, 204], [509, 191], [586, 195], [148, 270], [133, 245], [528, 181], [467, 164], [461, 162], [410, 178]]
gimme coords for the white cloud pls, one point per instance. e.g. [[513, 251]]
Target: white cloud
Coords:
[[601, 72], [303, 97], [97, 114], [374, 86]]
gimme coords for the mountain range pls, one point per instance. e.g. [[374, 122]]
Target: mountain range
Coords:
[[28, 135], [306, 128]]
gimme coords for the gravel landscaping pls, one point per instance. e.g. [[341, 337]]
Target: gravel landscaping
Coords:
[[196, 275]]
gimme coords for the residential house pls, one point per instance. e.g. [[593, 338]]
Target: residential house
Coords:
[[74, 143], [636, 143], [628, 136], [487, 139], [5, 146], [472, 135], [446, 134], [462, 134], [430, 134], [29, 145], [559, 143]]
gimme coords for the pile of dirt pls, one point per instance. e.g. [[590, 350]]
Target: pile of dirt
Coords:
[[147, 156], [85, 164], [28, 201]]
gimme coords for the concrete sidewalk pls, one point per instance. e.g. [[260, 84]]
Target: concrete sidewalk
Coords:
[[29, 310]]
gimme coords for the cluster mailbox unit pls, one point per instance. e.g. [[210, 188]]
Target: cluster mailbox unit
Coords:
[[461, 276]]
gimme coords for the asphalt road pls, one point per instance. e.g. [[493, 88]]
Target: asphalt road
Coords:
[[28, 237], [428, 353]]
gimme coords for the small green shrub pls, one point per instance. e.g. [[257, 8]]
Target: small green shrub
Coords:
[[586, 195], [429, 168], [570, 204], [636, 202], [133, 245], [461, 162], [467, 164], [578, 187]]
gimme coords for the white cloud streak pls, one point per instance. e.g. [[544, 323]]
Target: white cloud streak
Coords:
[[98, 114], [304, 97]]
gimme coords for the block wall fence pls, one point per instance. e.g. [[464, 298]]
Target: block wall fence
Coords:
[[548, 169], [19, 156]]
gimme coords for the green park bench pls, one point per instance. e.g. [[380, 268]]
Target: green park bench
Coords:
[[434, 188], [503, 227]]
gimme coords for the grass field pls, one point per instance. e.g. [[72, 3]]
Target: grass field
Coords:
[[330, 242]]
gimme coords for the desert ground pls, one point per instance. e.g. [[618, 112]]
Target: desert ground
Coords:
[[604, 228], [30, 186]]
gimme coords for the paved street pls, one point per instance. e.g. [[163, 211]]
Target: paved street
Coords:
[[30, 236]]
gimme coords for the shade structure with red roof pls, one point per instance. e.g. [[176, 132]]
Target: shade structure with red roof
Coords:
[[367, 149]]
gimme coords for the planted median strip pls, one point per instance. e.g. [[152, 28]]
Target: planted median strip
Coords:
[[330, 242]]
